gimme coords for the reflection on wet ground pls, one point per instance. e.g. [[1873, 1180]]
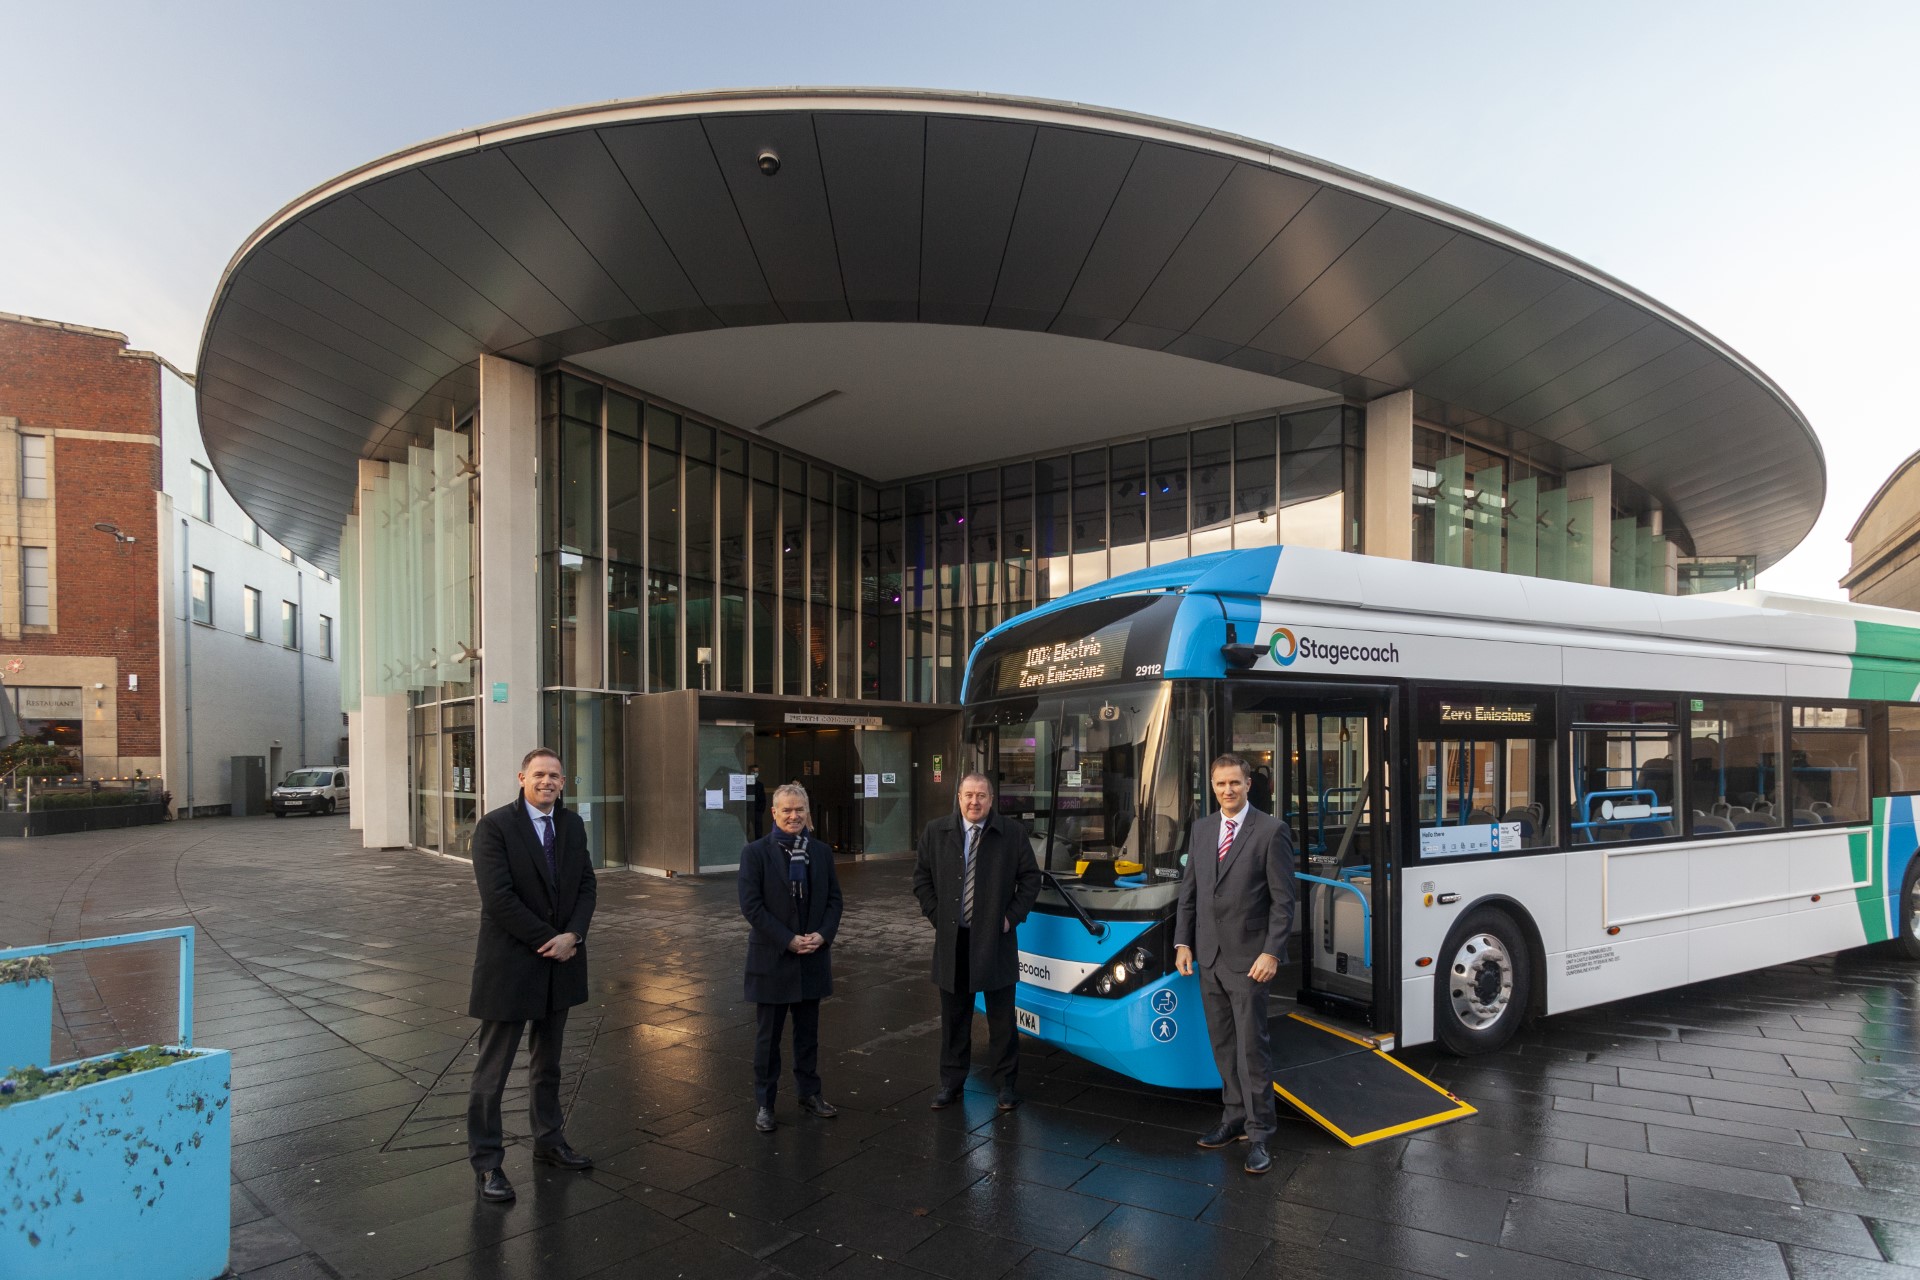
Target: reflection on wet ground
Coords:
[[1761, 1126]]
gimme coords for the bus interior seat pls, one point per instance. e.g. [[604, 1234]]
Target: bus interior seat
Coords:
[[1806, 818], [1758, 822], [1703, 822], [1479, 818], [1737, 814], [1721, 808], [1649, 831], [1656, 775]]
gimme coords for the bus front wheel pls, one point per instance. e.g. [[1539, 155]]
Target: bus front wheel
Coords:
[[1908, 912], [1484, 991]]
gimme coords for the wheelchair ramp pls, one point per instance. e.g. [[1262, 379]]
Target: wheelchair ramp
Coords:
[[1350, 1088]]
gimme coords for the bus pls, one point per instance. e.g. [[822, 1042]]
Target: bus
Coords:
[[1508, 796]]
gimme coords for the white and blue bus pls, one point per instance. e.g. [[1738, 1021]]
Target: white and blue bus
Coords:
[[1508, 795]]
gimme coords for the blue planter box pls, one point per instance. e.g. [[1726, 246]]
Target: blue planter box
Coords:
[[127, 1177], [26, 1024]]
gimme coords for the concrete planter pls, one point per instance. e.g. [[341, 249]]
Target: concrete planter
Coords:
[[126, 1177], [26, 1024]]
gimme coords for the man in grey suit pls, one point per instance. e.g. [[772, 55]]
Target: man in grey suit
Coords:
[[1235, 917]]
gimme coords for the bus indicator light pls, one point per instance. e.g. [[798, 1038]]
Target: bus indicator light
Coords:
[[1612, 930]]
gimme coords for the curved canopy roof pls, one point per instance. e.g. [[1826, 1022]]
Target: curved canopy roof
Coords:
[[641, 238]]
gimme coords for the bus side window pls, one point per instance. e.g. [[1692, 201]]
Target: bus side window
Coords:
[[1485, 770], [1625, 786], [1902, 776]]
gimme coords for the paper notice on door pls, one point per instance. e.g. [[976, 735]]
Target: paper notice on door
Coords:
[[886, 779], [873, 785], [585, 810], [736, 786], [716, 798]]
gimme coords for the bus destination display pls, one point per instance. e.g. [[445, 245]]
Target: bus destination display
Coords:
[[1480, 713], [1081, 661]]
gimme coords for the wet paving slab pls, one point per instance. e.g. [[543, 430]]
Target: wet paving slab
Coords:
[[1766, 1125]]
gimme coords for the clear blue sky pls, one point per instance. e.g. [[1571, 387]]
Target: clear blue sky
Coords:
[[1752, 165]]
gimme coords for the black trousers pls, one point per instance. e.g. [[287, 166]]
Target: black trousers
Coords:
[[956, 1028], [1236, 1011], [806, 1050], [499, 1041]]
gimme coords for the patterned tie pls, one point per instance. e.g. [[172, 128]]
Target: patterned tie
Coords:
[[1227, 826], [546, 843], [966, 889]]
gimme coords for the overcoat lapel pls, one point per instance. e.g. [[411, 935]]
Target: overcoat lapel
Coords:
[[532, 854]]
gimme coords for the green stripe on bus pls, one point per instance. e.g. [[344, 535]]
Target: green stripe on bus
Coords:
[[1883, 658], [1868, 851]]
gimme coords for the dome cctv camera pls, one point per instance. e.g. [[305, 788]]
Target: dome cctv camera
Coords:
[[769, 162]]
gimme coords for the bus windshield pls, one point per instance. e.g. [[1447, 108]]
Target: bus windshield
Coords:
[[1105, 781]]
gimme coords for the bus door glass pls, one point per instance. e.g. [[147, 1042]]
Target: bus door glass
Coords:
[[1320, 765]]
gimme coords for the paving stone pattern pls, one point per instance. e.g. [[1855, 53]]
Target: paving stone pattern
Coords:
[[1754, 1127]]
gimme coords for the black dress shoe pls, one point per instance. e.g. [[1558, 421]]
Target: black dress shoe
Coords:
[[815, 1105], [1224, 1136], [493, 1185], [763, 1120], [562, 1157], [1008, 1100], [945, 1098], [1258, 1161]]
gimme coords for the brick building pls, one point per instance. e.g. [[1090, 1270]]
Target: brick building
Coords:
[[124, 564]]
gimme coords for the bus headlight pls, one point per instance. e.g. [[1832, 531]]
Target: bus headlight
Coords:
[[1141, 960], [1106, 986], [1120, 973]]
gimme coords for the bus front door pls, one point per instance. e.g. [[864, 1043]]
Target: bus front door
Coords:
[[1320, 763]]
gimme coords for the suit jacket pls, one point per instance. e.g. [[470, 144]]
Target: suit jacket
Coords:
[[1234, 909], [776, 975], [1006, 880], [520, 910]]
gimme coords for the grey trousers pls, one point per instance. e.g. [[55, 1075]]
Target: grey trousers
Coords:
[[499, 1041], [1236, 1009]]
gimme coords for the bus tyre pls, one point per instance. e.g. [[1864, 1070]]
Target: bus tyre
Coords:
[[1907, 912], [1486, 987]]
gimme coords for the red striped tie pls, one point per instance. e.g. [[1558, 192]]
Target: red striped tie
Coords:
[[1227, 826]]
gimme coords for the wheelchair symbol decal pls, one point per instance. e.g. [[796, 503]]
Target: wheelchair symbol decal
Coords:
[[1165, 1002], [1165, 1029]]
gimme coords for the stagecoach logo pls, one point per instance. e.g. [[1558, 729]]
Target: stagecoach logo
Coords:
[[1286, 648], [1035, 972]]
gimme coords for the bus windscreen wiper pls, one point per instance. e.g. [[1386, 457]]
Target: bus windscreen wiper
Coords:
[[1094, 927]]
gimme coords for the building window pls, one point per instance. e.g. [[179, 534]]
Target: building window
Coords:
[[326, 637], [200, 501], [289, 624], [33, 584], [250, 612], [286, 553], [202, 596], [33, 466], [253, 531]]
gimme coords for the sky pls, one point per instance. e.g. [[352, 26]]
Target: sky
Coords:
[[1751, 165]]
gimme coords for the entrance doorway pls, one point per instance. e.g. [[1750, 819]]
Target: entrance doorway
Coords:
[[1320, 762]]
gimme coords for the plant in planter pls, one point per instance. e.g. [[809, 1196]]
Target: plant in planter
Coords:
[[26, 1012], [118, 1165]]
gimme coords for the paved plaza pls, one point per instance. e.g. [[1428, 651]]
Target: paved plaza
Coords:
[[1762, 1126]]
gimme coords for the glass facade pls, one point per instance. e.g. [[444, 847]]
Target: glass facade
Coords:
[[1480, 509]]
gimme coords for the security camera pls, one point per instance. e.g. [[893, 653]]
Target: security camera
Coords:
[[769, 162]]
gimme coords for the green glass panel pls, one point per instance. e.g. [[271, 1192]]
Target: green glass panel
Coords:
[[1450, 511], [1582, 544], [1551, 558], [1488, 508], [1655, 576], [422, 657], [453, 556], [349, 639], [1523, 527], [1625, 548]]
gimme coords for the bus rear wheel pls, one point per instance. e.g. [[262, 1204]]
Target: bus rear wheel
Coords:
[[1907, 910], [1484, 991]]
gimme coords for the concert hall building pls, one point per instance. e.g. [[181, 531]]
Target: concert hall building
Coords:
[[700, 436]]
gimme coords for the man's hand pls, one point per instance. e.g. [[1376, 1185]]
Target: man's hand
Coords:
[[1264, 968], [806, 943], [1183, 961], [1005, 924], [561, 947]]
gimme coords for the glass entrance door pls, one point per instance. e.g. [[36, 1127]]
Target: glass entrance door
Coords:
[[1321, 764]]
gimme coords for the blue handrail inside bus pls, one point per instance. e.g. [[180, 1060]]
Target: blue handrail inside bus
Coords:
[[1321, 817], [1366, 912], [1645, 795]]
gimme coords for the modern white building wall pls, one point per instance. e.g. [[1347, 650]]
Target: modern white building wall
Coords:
[[257, 672]]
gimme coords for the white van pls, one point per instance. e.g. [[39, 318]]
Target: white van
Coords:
[[318, 790]]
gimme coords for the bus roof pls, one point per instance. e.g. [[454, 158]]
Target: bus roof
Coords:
[[1753, 617]]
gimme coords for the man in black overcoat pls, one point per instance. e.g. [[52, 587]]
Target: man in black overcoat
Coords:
[[976, 880], [790, 894], [530, 963]]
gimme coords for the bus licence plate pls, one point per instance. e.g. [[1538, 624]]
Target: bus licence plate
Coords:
[[1027, 1021]]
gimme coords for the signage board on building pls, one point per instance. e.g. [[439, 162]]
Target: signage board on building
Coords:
[[838, 722]]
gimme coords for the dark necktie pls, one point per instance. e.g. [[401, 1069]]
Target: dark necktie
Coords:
[[966, 889], [546, 844]]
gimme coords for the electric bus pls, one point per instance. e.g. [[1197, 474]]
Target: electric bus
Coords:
[[1507, 795]]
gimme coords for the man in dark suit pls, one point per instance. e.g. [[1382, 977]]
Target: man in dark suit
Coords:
[[976, 880], [790, 894], [530, 963], [1235, 918]]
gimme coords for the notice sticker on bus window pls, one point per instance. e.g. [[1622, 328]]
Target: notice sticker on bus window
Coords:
[[1479, 837]]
